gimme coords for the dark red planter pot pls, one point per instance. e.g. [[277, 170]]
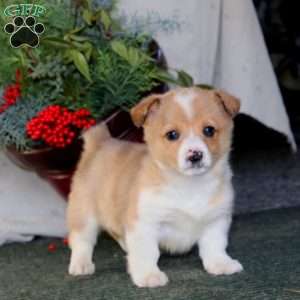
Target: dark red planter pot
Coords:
[[58, 165], [46, 158]]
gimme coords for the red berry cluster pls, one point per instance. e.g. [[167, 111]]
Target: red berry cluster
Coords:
[[57, 126], [10, 96], [52, 247]]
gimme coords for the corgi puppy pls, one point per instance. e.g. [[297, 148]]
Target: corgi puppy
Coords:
[[169, 194]]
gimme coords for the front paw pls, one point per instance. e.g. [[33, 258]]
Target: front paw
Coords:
[[81, 267], [152, 279], [224, 265]]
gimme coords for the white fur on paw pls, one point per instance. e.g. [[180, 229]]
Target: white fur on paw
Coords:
[[152, 279], [223, 266], [81, 267]]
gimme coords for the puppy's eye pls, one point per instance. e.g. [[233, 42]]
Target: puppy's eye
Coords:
[[172, 135], [209, 131]]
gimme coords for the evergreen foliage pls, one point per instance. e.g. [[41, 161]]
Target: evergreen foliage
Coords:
[[87, 58]]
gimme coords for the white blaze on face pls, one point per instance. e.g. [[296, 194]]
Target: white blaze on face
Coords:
[[185, 100], [193, 143]]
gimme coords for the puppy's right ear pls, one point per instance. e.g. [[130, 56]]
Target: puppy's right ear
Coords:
[[144, 109]]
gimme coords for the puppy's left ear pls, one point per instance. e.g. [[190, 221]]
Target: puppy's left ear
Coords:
[[230, 103], [144, 109]]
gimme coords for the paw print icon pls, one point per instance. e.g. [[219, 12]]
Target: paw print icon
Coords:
[[24, 31]]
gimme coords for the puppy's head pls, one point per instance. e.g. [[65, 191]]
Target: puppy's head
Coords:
[[187, 129]]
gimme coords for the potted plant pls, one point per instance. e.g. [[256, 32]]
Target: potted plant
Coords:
[[87, 68]]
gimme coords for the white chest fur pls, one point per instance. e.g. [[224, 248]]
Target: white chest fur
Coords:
[[181, 209]]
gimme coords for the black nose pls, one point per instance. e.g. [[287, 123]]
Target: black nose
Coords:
[[195, 157]]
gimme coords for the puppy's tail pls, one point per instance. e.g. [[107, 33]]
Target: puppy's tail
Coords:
[[94, 137]]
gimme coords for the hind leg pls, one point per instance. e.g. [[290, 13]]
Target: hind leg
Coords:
[[82, 241], [82, 245]]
